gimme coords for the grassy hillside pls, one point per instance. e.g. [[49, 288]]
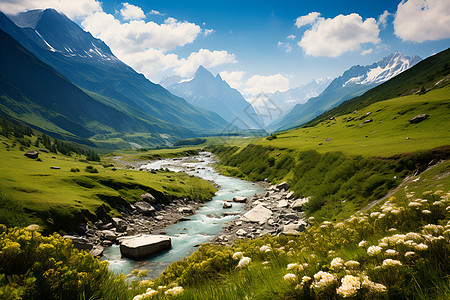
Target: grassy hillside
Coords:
[[387, 134], [79, 190], [397, 250]]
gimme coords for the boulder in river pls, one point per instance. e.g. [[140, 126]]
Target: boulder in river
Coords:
[[257, 214], [140, 246], [227, 205], [239, 199]]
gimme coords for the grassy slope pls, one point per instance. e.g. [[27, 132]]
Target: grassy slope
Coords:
[[384, 136], [211, 273], [48, 193]]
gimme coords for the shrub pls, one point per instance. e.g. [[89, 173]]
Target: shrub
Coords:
[[74, 170], [91, 169]]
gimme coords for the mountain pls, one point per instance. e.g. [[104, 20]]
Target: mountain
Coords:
[[34, 92], [213, 93], [299, 95], [89, 63], [353, 82]]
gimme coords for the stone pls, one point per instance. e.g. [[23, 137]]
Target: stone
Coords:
[[239, 199], [55, 168], [227, 205], [282, 186], [97, 251], [108, 235], [120, 224], [140, 246], [79, 242], [241, 232], [418, 118], [282, 204], [290, 216], [294, 229], [368, 121], [33, 227], [298, 204], [289, 195], [147, 197], [328, 139], [107, 226], [257, 214], [32, 154], [186, 210], [144, 208]]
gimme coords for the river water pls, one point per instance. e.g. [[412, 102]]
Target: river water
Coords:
[[201, 228]]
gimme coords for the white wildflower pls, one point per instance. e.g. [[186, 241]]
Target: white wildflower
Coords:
[[426, 212], [238, 255], [291, 278], [374, 250], [337, 262], [244, 262], [374, 214], [352, 264], [323, 280], [391, 252], [175, 291], [362, 243], [381, 216], [390, 263], [410, 253], [350, 286], [292, 266], [421, 247], [265, 248]]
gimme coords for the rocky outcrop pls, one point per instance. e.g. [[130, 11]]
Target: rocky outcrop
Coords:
[[418, 118], [141, 246], [79, 242], [298, 204], [144, 208], [147, 197], [32, 154]]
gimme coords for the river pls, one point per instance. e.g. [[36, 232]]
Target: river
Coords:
[[202, 227]]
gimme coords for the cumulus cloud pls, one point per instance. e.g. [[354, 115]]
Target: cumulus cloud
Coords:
[[333, 37], [207, 32], [131, 12], [308, 19], [291, 37], [422, 20], [155, 12], [367, 51], [287, 47], [73, 9], [266, 84], [382, 19], [234, 78]]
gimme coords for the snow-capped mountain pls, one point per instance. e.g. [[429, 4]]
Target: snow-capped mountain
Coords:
[[69, 39], [380, 71], [353, 82], [213, 93], [288, 99]]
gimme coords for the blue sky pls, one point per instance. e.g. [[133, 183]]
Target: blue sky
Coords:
[[256, 44]]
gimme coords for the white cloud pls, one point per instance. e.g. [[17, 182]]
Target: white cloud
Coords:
[[333, 37], [155, 12], [266, 84], [308, 19], [73, 9], [234, 78], [131, 12], [291, 37], [287, 47], [382, 19], [207, 32], [137, 35], [422, 20], [367, 51]]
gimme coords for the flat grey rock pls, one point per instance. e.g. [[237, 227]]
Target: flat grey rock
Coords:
[[257, 214], [140, 246]]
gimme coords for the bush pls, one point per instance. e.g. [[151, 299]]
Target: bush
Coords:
[[91, 169], [74, 170]]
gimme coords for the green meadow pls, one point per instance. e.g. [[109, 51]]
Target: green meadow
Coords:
[[388, 134]]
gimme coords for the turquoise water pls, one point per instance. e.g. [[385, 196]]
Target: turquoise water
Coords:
[[201, 228]]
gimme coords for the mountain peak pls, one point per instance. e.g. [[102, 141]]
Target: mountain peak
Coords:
[[202, 71]]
